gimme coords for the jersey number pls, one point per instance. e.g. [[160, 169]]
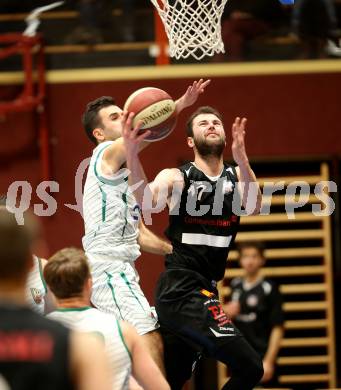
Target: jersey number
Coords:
[[200, 188]]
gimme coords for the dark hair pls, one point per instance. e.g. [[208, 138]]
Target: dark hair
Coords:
[[199, 111], [91, 119], [258, 245], [66, 273], [15, 247]]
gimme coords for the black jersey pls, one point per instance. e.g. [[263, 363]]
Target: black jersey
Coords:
[[202, 226], [34, 351], [260, 311]]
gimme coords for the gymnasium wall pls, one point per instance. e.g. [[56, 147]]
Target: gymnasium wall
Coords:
[[288, 115]]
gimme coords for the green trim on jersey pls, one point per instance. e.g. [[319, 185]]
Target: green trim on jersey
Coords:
[[63, 309], [122, 338], [124, 277], [113, 292], [110, 182], [124, 198], [42, 274], [104, 203]]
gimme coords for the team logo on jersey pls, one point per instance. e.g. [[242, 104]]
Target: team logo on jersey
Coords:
[[252, 300], [135, 212], [37, 295]]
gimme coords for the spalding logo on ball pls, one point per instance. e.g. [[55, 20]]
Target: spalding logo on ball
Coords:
[[155, 108]]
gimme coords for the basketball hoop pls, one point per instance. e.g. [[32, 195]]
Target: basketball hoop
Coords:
[[193, 27]]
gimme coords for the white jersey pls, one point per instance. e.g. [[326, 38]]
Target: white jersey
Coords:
[[36, 287], [87, 319], [111, 213]]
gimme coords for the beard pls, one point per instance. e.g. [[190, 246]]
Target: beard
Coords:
[[206, 149]]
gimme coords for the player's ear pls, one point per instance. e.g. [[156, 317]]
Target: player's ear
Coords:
[[190, 142], [98, 134]]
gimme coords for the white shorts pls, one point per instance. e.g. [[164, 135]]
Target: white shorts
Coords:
[[116, 290]]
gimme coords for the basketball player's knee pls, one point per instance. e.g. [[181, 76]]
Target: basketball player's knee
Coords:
[[252, 370], [245, 363]]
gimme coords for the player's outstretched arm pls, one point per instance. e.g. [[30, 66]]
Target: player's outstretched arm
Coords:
[[148, 196], [144, 369], [248, 185], [164, 190], [151, 243], [133, 143], [191, 95]]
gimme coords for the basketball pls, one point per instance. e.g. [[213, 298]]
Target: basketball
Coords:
[[155, 108]]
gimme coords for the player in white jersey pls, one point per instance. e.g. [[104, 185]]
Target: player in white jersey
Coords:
[[114, 232], [68, 276], [36, 290], [37, 353]]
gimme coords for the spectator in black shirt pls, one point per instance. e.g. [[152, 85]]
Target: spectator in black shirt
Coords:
[[256, 307]]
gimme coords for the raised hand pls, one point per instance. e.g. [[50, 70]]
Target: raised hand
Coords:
[[191, 95], [132, 138], [238, 141]]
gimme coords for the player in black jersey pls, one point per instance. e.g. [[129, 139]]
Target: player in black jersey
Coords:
[[256, 307], [37, 353], [204, 199]]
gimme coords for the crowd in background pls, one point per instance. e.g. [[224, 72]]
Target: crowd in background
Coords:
[[310, 25]]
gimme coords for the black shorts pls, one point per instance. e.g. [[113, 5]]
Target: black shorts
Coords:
[[193, 322], [188, 306]]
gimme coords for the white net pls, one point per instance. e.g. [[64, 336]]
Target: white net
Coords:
[[193, 27]]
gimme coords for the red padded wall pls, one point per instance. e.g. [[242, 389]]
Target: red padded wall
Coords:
[[289, 115]]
